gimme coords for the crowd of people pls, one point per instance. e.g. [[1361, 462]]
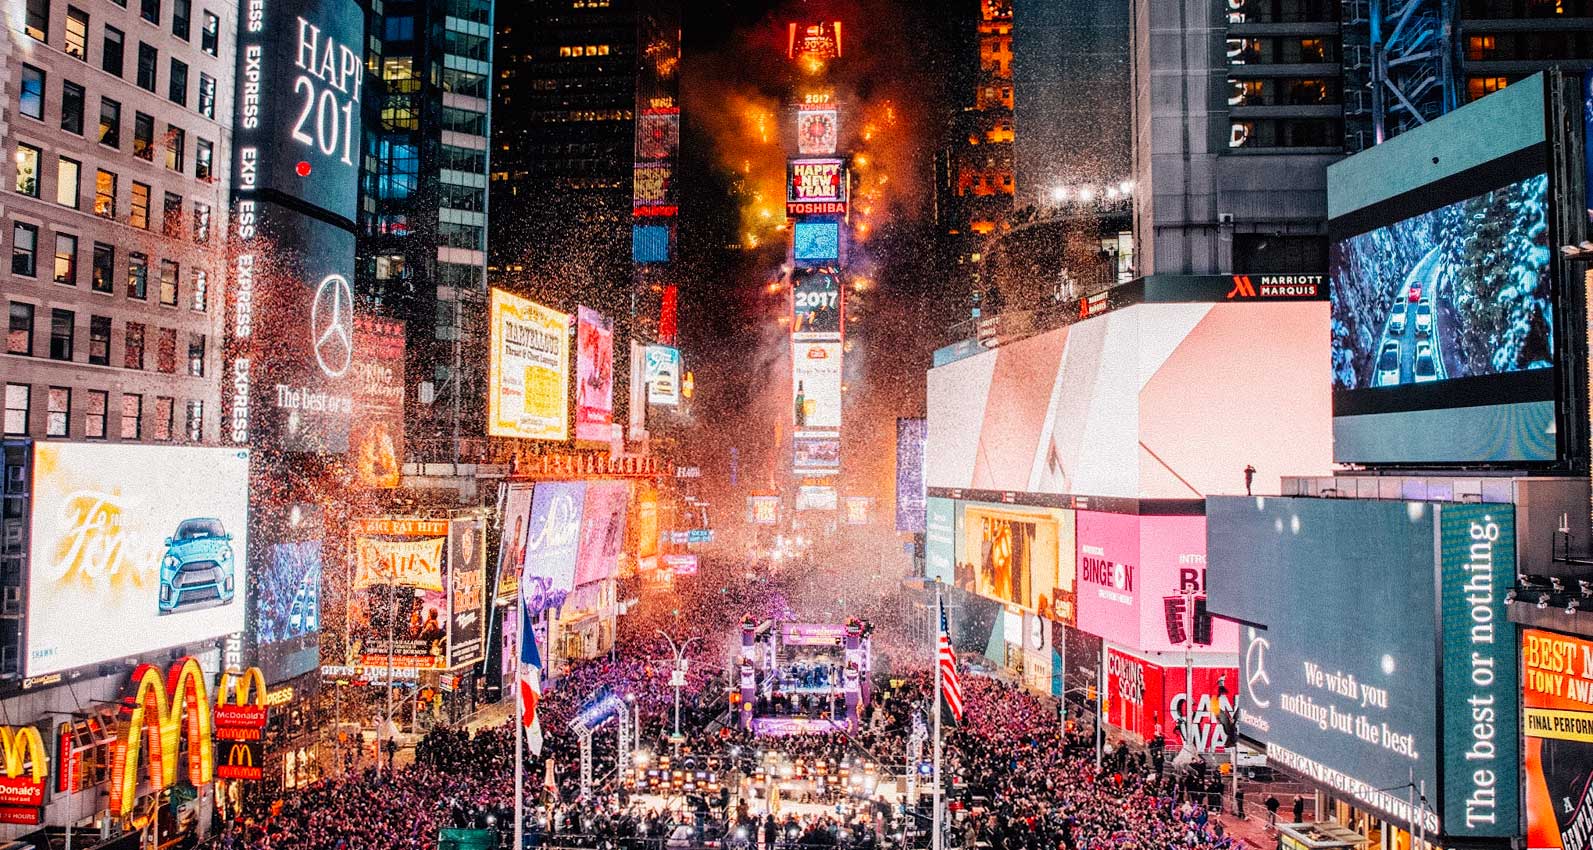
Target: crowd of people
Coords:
[[1015, 777]]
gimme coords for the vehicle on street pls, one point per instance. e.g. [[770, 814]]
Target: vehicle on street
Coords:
[[1426, 368], [1388, 365]]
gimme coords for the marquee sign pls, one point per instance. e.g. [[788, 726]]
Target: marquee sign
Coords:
[[161, 715], [26, 766]]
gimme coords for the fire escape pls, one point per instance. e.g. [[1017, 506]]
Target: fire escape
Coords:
[[1399, 67]]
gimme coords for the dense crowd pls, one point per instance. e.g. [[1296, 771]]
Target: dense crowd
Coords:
[[1016, 778]]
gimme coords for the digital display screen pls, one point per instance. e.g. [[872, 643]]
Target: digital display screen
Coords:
[[816, 187], [649, 243], [400, 593], [910, 491], [816, 455], [300, 75], [816, 498], [815, 304], [467, 590], [816, 241], [602, 530], [553, 538], [594, 375], [529, 370], [1018, 554], [123, 562], [1134, 573], [289, 594], [662, 372], [816, 381], [1146, 697], [376, 435], [817, 130], [1380, 650]]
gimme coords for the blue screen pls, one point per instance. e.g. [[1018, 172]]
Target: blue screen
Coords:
[[649, 243], [816, 240]]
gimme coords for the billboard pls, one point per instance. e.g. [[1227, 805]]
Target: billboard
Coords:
[[763, 510], [815, 304], [681, 565], [817, 130], [1145, 696], [376, 435], [123, 562], [288, 596], [1380, 649], [554, 536], [1134, 572], [857, 509], [816, 498], [658, 133], [649, 243], [662, 374], [816, 241], [1104, 407], [940, 539], [467, 590], [646, 527], [816, 454], [515, 525], [594, 375], [1018, 554], [653, 189], [1441, 272], [529, 370], [910, 474], [602, 530], [1557, 711], [816, 187], [399, 593], [816, 381]]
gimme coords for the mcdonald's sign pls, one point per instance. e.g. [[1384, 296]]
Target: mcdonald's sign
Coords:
[[241, 700], [161, 715], [240, 760], [26, 766]]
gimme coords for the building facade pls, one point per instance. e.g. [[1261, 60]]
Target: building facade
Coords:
[[117, 144]]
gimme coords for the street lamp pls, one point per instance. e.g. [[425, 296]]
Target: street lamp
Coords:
[[677, 677]]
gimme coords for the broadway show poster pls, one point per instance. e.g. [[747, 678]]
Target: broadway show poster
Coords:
[[1557, 723], [376, 434], [467, 550], [516, 524], [594, 376], [602, 530], [398, 602]]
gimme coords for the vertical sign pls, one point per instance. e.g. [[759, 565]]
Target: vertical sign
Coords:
[[910, 491], [467, 546], [376, 434], [594, 375], [528, 370]]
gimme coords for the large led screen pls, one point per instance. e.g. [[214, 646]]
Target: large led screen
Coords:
[[816, 241], [602, 530], [376, 434], [1357, 669], [1018, 554], [910, 475], [1145, 697], [123, 561], [816, 305], [515, 522], [553, 539], [594, 375], [1557, 710], [1165, 401], [940, 539], [662, 371], [1134, 572], [289, 594], [399, 593], [529, 370], [816, 381]]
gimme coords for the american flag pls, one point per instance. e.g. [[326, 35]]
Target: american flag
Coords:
[[950, 687]]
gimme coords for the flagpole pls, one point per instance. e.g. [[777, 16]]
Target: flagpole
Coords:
[[937, 842], [519, 731]]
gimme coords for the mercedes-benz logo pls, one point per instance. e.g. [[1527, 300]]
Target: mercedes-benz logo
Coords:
[[332, 325], [1256, 670]]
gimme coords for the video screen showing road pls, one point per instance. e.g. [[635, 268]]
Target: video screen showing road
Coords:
[[1459, 291]]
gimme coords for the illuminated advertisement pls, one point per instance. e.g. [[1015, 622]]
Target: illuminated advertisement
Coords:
[[763, 510], [288, 596], [594, 375], [653, 192], [1367, 689], [376, 434], [1134, 572], [1145, 697], [817, 130], [516, 524], [509, 648], [649, 243], [399, 597], [940, 539], [1103, 407], [681, 565], [662, 374], [529, 370], [290, 348], [1443, 292], [1557, 711], [910, 491], [602, 530], [857, 508], [816, 241], [1017, 554], [816, 187], [658, 133], [554, 539], [815, 498], [124, 562], [817, 455], [646, 526], [815, 304], [816, 380], [467, 584]]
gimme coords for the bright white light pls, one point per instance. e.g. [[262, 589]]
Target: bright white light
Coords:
[[1059, 193], [1126, 187], [1087, 194]]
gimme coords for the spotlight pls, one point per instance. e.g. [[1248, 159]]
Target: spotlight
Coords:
[[1587, 587], [1510, 596], [1543, 601], [1572, 606]]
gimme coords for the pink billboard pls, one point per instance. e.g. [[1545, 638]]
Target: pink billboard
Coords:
[[1131, 568], [602, 530], [594, 375]]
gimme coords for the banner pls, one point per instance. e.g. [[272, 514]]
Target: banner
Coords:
[[602, 531], [528, 369], [554, 538], [816, 378], [466, 590], [404, 563], [1557, 725], [515, 523], [594, 375], [663, 375], [376, 432]]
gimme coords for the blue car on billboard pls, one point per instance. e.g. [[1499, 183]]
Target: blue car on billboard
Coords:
[[197, 570]]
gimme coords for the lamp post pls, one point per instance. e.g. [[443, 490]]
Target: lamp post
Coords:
[[677, 677]]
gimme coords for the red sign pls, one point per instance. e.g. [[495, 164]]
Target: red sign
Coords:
[[238, 733], [27, 816], [21, 791], [815, 208], [240, 760], [240, 716], [1142, 697]]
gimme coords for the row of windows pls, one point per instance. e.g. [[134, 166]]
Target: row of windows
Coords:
[[1284, 92], [1529, 46], [69, 193], [1285, 50], [136, 337], [73, 106], [1286, 133], [130, 424], [74, 39], [25, 256], [112, 60], [567, 51]]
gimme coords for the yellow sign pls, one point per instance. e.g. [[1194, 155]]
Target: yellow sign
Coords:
[[23, 749], [1561, 725], [162, 715], [245, 688], [528, 369]]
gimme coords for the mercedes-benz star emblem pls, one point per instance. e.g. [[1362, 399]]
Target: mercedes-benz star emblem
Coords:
[[332, 325], [1256, 670]]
